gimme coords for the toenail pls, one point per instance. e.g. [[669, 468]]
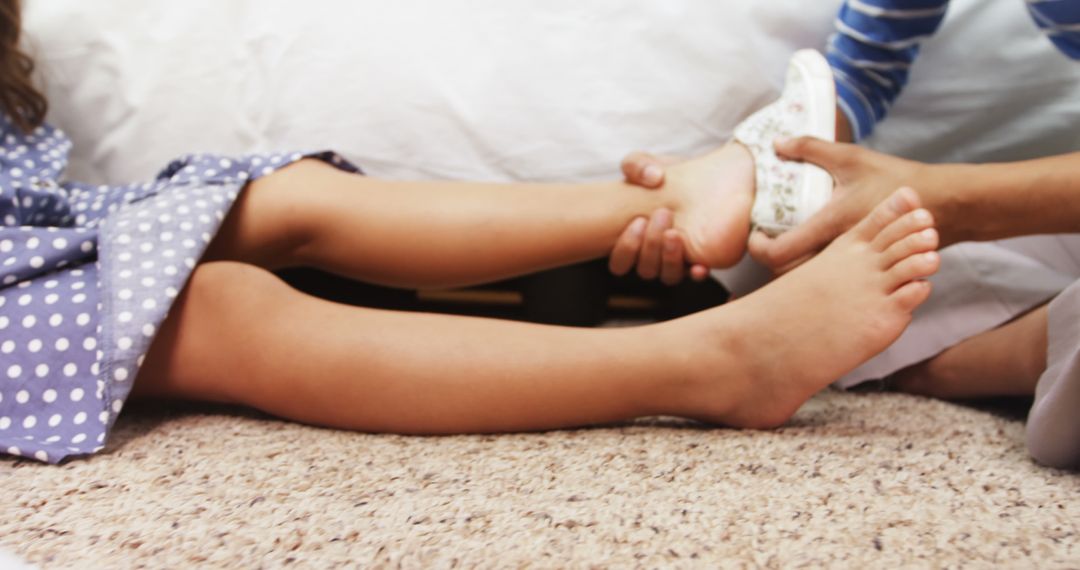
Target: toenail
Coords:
[[898, 202], [929, 234], [652, 174], [923, 216]]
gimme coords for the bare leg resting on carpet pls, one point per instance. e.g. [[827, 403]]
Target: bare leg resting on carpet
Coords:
[[237, 334]]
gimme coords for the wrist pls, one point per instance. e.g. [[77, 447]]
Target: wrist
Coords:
[[942, 190]]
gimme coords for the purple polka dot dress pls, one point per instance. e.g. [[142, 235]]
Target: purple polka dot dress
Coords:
[[88, 274]]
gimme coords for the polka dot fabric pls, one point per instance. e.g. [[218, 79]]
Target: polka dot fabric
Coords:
[[88, 274]]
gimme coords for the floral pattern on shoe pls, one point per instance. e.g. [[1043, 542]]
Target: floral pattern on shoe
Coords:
[[778, 204]]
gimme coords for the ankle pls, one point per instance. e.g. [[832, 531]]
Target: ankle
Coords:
[[639, 201], [937, 184], [708, 387]]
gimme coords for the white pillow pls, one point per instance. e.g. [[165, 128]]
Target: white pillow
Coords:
[[503, 89]]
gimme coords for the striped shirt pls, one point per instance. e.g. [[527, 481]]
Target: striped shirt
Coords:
[[876, 42]]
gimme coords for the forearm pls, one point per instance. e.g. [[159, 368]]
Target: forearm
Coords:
[[995, 201]]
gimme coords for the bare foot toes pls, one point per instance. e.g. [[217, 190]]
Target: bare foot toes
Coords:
[[792, 338]]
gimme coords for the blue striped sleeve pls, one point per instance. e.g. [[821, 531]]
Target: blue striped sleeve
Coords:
[[871, 53], [1060, 20]]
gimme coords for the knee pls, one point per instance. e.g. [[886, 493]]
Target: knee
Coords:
[[225, 277], [229, 289], [1053, 429], [198, 351], [1053, 433], [274, 218], [1055, 454]]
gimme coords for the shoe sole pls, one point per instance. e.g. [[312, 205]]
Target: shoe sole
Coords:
[[816, 73]]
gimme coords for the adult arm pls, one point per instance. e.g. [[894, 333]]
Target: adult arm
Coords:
[[970, 202], [996, 201]]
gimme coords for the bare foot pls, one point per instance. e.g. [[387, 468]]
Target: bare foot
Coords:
[[791, 339], [716, 192]]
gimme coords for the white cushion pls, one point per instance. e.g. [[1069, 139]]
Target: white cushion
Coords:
[[504, 89]]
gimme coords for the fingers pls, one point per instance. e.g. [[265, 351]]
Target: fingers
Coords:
[[828, 155], [651, 256], [699, 272], [625, 252], [760, 247], [647, 170], [655, 249], [784, 252], [643, 169], [673, 264]]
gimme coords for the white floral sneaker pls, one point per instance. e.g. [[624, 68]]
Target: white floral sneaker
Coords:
[[790, 192]]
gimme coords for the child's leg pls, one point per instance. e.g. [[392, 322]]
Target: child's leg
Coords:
[[238, 335], [442, 234]]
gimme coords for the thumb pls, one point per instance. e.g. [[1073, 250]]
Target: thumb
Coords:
[[647, 170], [783, 252], [643, 169], [828, 155]]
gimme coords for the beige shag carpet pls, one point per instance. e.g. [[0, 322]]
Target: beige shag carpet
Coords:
[[856, 480]]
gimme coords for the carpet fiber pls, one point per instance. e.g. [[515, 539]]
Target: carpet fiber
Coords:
[[878, 480]]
